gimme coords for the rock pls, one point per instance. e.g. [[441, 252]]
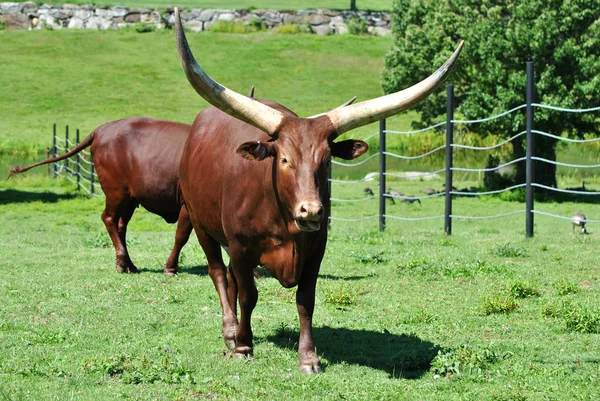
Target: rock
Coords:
[[98, 23], [11, 8], [322, 30], [16, 21], [194, 25], [75, 23]]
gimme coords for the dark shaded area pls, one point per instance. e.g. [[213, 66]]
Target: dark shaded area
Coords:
[[345, 278], [15, 196], [401, 356], [197, 270]]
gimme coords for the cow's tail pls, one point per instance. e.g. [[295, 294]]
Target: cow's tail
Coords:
[[21, 169]]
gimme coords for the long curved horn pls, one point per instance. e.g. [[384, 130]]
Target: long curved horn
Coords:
[[363, 113], [347, 103], [242, 107]]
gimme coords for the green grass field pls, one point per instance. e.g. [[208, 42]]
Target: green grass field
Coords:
[[378, 5], [408, 314], [85, 79]]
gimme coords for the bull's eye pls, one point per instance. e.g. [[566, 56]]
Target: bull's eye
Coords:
[[284, 160]]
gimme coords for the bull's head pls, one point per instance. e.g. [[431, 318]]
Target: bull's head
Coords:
[[302, 148]]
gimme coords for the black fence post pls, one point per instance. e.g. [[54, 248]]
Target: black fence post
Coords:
[[449, 141], [54, 166], [529, 172], [329, 202], [78, 164], [382, 175], [92, 177], [66, 147]]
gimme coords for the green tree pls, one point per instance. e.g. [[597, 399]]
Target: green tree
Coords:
[[561, 37]]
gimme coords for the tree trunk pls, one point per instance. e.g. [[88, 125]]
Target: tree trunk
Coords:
[[543, 173], [353, 5]]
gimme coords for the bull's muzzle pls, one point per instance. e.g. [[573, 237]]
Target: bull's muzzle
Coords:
[[308, 216]]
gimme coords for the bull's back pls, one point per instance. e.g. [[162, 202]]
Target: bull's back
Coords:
[[139, 157]]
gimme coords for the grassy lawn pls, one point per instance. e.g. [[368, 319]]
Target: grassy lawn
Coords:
[[379, 5], [407, 314], [85, 79]]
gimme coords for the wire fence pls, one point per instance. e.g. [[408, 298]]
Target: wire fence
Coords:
[[79, 169], [449, 192]]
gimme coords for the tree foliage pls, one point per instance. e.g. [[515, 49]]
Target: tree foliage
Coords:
[[561, 37]]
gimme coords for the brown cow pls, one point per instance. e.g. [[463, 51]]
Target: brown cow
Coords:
[[254, 178], [137, 161]]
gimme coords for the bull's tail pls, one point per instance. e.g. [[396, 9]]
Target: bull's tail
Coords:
[[21, 169]]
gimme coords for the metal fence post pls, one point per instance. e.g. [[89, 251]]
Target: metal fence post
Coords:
[[449, 141], [382, 175], [66, 163], [529, 172], [92, 177], [329, 203], [78, 164], [54, 166]]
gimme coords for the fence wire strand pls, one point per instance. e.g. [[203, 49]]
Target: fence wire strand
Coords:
[[565, 164], [415, 157], [562, 217], [456, 216], [560, 138], [483, 120], [545, 106], [459, 146], [416, 131], [489, 169], [567, 191], [487, 192]]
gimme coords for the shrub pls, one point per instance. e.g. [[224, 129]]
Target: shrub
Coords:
[[142, 27], [236, 27], [357, 26], [3, 25], [288, 29]]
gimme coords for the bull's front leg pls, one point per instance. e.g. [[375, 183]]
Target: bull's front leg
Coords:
[[243, 270], [305, 303]]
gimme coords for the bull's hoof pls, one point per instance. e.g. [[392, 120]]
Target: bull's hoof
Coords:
[[170, 272], [230, 344], [243, 352], [312, 368], [127, 269]]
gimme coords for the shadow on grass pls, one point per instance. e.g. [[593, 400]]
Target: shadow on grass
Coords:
[[401, 356], [15, 196], [197, 270]]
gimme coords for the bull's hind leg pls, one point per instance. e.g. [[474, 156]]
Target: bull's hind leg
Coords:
[[184, 229], [117, 208], [217, 272], [122, 228]]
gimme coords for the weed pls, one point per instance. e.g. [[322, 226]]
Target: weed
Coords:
[[581, 319], [375, 258], [565, 287], [3, 25], [147, 368], [421, 316], [340, 295], [521, 289], [446, 241], [100, 240], [498, 303], [465, 361], [416, 264], [509, 250], [142, 27], [553, 309], [289, 29]]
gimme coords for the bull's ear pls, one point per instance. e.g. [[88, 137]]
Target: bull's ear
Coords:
[[255, 150], [349, 149]]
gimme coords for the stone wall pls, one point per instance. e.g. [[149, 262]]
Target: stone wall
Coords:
[[29, 15]]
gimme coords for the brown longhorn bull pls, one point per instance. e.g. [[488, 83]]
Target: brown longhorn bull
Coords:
[[137, 162], [254, 178]]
